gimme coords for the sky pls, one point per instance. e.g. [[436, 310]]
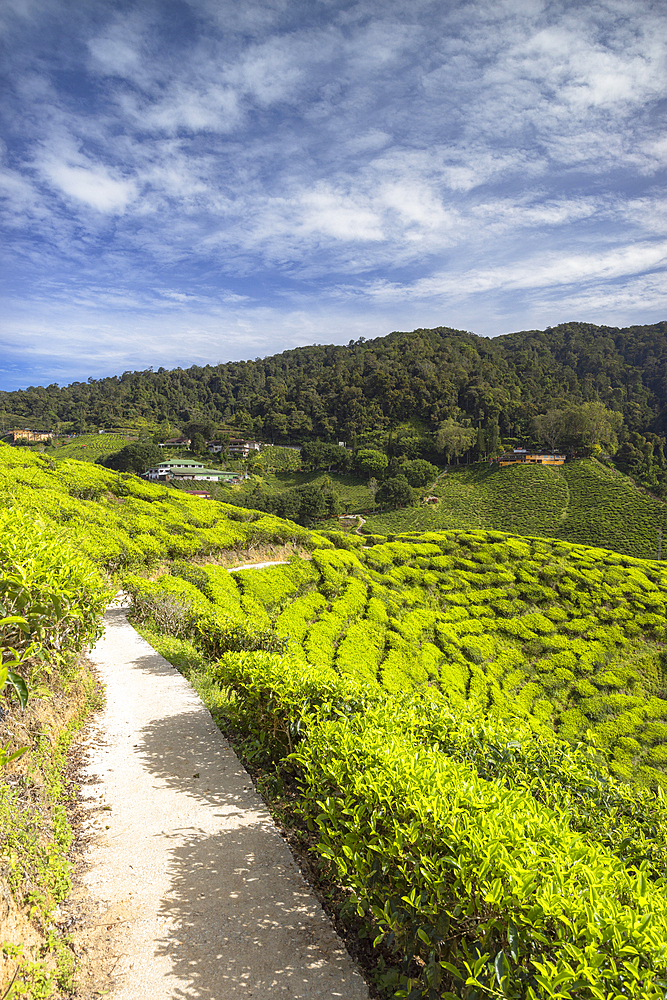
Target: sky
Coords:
[[198, 181]]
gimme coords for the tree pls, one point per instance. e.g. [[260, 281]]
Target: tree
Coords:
[[492, 438], [317, 453], [395, 492], [419, 472], [548, 427], [370, 462], [198, 444], [314, 504], [454, 439], [206, 428], [587, 428], [136, 457]]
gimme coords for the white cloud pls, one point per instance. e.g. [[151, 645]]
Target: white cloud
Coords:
[[549, 271], [421, 157], [92, 184]]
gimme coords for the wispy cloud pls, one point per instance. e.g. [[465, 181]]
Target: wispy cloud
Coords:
[[458, 163]]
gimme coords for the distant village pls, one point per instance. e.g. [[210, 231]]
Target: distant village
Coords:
[[180, 469]]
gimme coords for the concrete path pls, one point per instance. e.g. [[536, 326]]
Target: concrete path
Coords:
[[261, 565], [185, 862]]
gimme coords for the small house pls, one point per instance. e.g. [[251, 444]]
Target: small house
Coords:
[[242, 448], [522, 456]]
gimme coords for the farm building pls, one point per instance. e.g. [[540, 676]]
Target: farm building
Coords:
[[522, 455], [25, 434], [190, 469], [239, 447]]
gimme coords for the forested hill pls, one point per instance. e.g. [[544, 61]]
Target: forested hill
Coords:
[[330, 391]]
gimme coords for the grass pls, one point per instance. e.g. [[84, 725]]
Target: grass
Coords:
[[36, 837]]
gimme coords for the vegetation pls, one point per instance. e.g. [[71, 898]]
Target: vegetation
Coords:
[[582, 501], [135, 457], [370, 387], [471, 723], [565, 637], [85, 447], [456, 710], [64, 531], [119, 520], [52, 600]]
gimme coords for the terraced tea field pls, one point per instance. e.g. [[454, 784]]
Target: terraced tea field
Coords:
[[120, 520], [566, 637], [89, 447], [444, 707], [582, 501]]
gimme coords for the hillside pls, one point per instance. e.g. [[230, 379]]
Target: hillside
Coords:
[[582, 502], [119, 520], [406, 696], [464, 729], [87, 447], [426, 376], [563, 636]]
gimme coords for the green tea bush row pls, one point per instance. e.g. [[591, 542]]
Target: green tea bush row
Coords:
[[120, 521], [492, 892], [556, 654], [51, 598], [581, 501], [477, 852]]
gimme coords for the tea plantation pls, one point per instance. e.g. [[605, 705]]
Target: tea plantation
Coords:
[[445, 703], [120, 520], [471, 724], [88, 447], [582, 501], [565, 637]]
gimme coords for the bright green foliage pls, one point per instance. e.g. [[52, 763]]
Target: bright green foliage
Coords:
[[119, 520], [275, 459], [506, 861], [88, 447], [421, 685], [565, 637], [275, 586], [495, 892], [51, 599], [582, 502]]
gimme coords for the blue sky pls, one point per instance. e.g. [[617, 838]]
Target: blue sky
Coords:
[[198, 181]]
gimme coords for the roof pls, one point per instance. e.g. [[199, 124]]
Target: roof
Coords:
[[199, 470], [181, 463]]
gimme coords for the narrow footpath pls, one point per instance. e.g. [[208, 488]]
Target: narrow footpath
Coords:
[[185, 867]]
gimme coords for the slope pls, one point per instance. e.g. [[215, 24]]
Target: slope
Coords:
[[582, 502], [333, 391]]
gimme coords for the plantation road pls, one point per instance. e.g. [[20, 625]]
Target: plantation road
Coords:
[[187, 871]]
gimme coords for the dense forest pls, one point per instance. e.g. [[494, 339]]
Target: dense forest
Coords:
[[349, 392]]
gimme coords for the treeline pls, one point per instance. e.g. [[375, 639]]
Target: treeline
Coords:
[[370, 387]]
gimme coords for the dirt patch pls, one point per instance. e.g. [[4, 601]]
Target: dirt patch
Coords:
[[96, 929], [99, 934]]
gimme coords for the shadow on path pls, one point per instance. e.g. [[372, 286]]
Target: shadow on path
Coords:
[[235, 918]]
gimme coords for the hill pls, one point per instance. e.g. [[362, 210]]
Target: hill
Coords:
[[582, 501], [465, 727], [367, 387], [119, 520], [400, 704], [563, 636]]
